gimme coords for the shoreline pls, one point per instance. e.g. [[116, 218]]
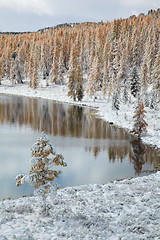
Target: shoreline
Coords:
[[126, 209], [122, 119]]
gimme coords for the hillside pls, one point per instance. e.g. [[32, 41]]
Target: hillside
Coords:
[[123, 54]]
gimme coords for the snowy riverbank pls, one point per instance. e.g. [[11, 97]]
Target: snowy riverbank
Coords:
[[129, 209], [124, 118]]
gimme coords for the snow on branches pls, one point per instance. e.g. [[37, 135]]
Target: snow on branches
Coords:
[[140, 124], [42, 174]]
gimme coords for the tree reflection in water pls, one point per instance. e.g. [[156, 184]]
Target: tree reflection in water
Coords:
[[67, 120], [138, 155], [56, 118]]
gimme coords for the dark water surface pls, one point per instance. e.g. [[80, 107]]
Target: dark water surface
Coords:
[[95, 151]]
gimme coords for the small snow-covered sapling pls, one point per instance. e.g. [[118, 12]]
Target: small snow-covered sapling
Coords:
[[42, 174]]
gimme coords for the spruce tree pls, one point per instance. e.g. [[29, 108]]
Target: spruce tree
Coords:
[[134, 81], [115, 101], [153, 102]]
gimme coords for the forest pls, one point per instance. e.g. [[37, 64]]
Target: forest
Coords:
[[119, 59]]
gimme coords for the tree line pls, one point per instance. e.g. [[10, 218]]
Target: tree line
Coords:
[[108, 56]]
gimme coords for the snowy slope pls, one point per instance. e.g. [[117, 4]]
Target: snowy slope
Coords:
[[128, 210]]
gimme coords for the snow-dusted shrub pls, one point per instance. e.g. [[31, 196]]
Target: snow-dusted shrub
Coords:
[[42, 174]]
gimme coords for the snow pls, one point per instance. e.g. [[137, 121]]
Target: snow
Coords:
[[122, 118], [128, 209]]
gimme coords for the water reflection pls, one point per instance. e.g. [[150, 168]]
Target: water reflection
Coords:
[[57, 119], [141, 154], [95, 151], [138, 155]]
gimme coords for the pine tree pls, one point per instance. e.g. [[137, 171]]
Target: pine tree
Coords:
[[42, 175], [144, 76], [60, 78], [79, 83], [18, 77], [94, 78], [153, 102], [125, 96], [54, 71], [72, 74], [140, 124], [31, 70], [115, 101], [35, 79], [134, 82], [105, 78], [12, 72], [122, 75], [72, 84], [26, 69]]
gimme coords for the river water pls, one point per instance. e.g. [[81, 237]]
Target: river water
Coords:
[[95, 151]]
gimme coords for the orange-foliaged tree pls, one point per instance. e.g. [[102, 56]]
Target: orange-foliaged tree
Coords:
[[42, 174], [140, 125]]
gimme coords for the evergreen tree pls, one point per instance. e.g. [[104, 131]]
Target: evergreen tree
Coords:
[[31, 70], [144, 76], [115, 101], [156, 73], [139, 122], [105, 79], [72, 84], [42, 173], [93, 83], [13, 72], [72, 73], [153, 102], [60, 78], [79, 83], [26, 69], [125, 96], [35, 79], [137, 155], [134, 82], [18, 77], [54, 71]]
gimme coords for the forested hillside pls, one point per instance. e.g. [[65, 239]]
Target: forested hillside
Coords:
[[116, 58]]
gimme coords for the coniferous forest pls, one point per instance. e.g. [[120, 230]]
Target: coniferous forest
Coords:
[[116, 58]]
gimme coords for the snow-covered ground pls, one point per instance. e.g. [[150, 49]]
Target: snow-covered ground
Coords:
[[124, 118], [128, 209]]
